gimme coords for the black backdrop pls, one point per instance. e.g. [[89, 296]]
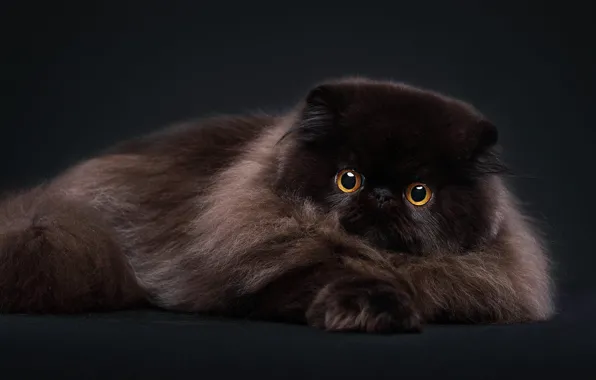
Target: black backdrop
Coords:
[[78, 76]]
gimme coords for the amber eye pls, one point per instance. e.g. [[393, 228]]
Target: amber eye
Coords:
[[418, 194], [348, 180]]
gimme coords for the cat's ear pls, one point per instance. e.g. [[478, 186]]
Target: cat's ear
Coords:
[[484, 158], [487, 136], [475, 138], [320, 115], [329, 97]]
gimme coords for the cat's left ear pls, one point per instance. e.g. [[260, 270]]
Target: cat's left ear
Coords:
[[321, 113], [487, 136], [476, 138]]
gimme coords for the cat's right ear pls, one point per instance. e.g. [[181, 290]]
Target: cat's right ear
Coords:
[[326, 95], [321, 113]]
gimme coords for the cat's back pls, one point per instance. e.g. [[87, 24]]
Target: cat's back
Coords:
[[179, 160], [212, 141]]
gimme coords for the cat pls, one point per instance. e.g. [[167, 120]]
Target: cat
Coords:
[[370, 206]]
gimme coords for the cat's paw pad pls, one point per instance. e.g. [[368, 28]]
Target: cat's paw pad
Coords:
[[367, 305]]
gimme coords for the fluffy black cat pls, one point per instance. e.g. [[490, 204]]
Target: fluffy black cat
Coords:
[[371, 206]]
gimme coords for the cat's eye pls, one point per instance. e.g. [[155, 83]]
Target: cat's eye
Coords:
[[418, 194], [349, 180]]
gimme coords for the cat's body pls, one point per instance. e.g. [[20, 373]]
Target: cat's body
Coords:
[[243, 216]]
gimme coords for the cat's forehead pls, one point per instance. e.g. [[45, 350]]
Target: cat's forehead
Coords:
[[404, 123]]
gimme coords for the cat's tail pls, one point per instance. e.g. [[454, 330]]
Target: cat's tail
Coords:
[[59, 256]]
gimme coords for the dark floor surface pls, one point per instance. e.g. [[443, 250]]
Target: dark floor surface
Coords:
[[155, 344]]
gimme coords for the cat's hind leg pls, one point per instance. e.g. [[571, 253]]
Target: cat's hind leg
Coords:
[[59, 256]]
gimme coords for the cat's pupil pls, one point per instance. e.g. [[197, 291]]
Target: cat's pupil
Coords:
[[348, 180], [418, 193]]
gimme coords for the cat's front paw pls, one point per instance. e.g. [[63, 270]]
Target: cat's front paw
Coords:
[[367, 305]]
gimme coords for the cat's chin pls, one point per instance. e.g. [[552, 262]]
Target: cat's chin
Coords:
[[384, 242], [400, 248]]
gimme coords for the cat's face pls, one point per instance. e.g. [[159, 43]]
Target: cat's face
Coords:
[[404, 168]]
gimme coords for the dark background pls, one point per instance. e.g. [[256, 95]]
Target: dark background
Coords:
[[78, 76]]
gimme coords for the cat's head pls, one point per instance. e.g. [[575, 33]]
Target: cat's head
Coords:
[[405, 168]]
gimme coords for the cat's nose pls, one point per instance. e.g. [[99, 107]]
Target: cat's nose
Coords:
[[383, 196]]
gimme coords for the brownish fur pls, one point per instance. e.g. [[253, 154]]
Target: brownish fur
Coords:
[[235, 216], [58, 255]]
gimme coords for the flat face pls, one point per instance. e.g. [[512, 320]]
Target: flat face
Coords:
[[405, 168]]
